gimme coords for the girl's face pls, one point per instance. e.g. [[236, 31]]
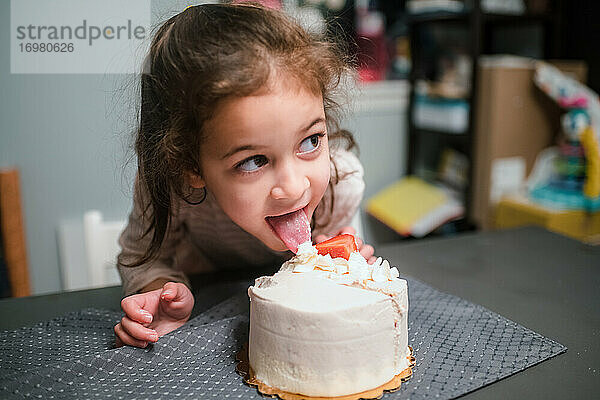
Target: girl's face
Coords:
[[266, 155]]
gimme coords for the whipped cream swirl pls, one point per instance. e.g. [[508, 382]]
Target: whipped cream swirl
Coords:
[[352, 272]]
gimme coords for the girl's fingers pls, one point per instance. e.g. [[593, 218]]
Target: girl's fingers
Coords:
[[359, 242], [176, 300], [367, 251], [137, 331], [171, 292], [371, 260], [348, 230], [320, 238], [123, 338], [134, 311]]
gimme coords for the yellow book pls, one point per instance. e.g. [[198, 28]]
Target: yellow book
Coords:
[[414, 207]]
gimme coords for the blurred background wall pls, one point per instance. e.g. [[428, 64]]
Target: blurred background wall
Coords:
[[70, 137]]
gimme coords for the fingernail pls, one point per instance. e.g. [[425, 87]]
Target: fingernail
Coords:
[[147, 316], [167, 292], [154, 337]]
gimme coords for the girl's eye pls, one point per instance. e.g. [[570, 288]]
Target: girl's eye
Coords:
[[311, 143], [251, 164]]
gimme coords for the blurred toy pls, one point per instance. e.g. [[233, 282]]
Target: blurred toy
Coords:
[[591, 188], [571, 175]]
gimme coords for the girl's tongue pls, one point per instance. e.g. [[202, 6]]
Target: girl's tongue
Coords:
[[293, 229]]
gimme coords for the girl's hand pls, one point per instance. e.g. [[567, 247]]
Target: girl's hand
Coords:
[[153, 314], [366, 250]]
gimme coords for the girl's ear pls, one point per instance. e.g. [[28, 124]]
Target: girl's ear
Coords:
[[195, 180]]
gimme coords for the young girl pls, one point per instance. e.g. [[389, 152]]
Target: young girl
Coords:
[[239, 157]]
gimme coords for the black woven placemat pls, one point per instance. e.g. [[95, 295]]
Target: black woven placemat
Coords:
[[459, 347], [73, 335]]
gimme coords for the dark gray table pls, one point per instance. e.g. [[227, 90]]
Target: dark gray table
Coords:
[[541, 280]]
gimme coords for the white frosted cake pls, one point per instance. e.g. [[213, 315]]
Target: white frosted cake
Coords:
[[328, 327]]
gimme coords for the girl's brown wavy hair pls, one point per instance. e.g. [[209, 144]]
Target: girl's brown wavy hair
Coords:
[[198, 58]]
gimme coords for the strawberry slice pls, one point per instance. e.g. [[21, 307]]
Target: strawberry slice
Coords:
[[337, 246]]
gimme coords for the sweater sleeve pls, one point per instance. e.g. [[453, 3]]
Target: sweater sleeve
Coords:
[[133, 245], [342, 199]]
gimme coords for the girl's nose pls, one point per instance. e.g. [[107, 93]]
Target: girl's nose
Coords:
[[290, 183]]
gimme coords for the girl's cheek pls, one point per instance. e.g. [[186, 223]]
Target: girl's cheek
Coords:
[[248, 197], [326, 169]]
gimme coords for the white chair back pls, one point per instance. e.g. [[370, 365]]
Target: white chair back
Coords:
[[101, 248]]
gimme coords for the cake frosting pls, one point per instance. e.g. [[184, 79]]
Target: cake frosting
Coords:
[[328, 327]]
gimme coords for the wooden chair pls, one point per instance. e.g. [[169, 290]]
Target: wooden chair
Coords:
[[12, 233]]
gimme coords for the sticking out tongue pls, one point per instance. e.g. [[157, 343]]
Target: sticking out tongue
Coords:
[[293, 229]]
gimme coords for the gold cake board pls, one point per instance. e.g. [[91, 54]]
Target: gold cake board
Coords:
[[243, 368]]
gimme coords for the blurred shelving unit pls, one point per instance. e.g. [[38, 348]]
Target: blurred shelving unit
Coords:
[[474, 33]]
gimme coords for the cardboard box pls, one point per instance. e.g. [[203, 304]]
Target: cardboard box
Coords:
[[516, 211], [514, 121]]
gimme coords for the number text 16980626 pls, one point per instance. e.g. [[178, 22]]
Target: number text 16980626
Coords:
[[46, 47]]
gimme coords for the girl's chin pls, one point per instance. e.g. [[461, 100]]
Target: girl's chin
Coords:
[[276, 245], [280, 247]]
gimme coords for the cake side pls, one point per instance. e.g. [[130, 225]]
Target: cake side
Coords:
[[327, 351], [328, 327]]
